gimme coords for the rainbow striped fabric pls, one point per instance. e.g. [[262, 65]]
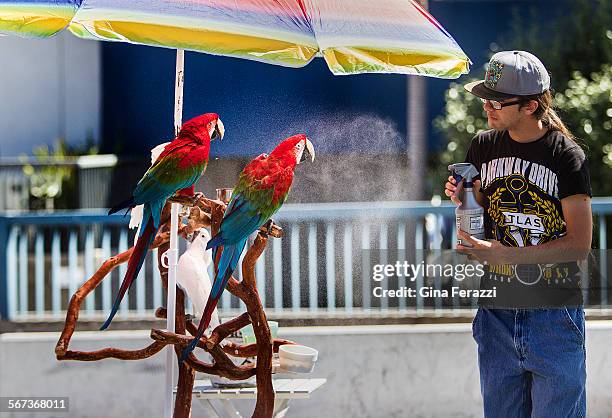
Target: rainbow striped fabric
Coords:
[[353, 36]]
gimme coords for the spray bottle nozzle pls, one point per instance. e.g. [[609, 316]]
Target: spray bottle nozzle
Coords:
[[465, 171]]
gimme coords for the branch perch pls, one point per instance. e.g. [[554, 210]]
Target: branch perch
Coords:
[[203, 212]]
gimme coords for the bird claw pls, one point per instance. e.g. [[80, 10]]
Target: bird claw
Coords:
[[197, 196], [271, 229], [217, 205], [266, 228], [185, 200]]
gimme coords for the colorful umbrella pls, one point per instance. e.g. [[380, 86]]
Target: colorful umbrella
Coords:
[[353, 36]]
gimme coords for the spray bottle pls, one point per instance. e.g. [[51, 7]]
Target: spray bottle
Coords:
[[469, 215]]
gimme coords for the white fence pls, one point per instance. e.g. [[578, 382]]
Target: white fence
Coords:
[[321, 266]]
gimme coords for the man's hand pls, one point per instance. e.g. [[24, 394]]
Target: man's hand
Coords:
[[452, 190], [487, 252]]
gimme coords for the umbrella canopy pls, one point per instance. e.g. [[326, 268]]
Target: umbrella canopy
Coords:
[[353, 36]]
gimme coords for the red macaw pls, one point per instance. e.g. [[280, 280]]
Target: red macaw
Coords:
[[262, 188], [177, 168]]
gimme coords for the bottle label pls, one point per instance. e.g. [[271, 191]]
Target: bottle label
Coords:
[[476, 223], [471, 223]]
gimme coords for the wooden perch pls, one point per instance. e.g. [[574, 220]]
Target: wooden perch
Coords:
[[61, 348], [233, 349], [203, 212]]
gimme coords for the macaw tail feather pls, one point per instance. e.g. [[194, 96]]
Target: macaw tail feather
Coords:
[[215, 252], [229, 260], [126, 204], [211, 304], [134, 265], [192, 345], [215, 242]]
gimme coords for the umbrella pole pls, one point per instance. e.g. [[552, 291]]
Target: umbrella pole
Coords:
[[173, 250]]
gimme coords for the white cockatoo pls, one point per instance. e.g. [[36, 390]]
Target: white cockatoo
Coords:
[[136, 214], [192, 274]]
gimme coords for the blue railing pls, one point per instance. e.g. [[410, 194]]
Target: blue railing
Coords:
[[312, 270]]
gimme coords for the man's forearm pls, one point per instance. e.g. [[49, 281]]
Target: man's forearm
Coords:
[[560, 250]]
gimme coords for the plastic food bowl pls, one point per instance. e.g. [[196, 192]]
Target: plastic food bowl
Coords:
[[248, 335], [297, 358]]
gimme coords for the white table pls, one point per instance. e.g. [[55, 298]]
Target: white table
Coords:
[[284, 389]]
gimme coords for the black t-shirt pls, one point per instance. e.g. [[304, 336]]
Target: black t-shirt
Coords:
[[524, 184]]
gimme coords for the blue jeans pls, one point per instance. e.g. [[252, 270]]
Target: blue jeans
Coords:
[[532, 362]]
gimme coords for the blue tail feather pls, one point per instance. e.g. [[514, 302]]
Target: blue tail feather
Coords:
[[135, 262], [192, 345], [230, 256], [215, 241]]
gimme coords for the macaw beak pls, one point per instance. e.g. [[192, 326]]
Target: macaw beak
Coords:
[[308, 152], [219, 131]]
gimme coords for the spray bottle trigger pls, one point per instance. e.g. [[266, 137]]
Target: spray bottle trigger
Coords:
[[457, 178]]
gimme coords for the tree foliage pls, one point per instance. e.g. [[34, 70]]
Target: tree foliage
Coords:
[[586, 107], [578, 38], [51, 173], [576, 48]]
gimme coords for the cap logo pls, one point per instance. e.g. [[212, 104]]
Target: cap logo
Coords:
[[493, 74]]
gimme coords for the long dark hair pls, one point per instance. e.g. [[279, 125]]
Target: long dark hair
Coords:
[[546, 113]]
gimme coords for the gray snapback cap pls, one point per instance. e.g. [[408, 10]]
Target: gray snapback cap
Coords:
[[509, 74]]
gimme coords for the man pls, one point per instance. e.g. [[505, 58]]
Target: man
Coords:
[[535, 188]]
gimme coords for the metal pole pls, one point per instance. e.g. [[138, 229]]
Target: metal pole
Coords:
[[61, 87], [417, 134], [173, 250], [5, 295], [416, 115]]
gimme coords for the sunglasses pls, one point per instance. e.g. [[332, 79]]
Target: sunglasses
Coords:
[[499, 105]]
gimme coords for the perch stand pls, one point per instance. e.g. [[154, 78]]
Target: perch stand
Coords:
[[203, 213]]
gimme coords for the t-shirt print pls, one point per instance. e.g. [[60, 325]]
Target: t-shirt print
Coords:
[[523, 201], [524, 184]]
